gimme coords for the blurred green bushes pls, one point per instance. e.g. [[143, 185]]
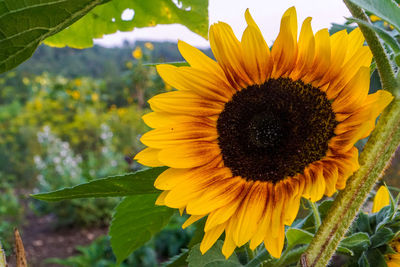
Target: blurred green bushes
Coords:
[[58, 131]]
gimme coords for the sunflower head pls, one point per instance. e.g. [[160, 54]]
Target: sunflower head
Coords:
[[246, 136]]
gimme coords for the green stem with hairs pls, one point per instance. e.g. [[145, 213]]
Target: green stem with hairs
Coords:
[[373, 160]]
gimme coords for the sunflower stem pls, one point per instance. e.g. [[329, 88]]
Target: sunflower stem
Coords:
[[383, 64], [317, 217], [373, 160]]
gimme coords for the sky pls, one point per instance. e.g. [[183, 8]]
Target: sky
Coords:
[[267, 14]]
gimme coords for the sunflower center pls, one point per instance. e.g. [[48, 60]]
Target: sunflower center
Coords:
[[275, 130], [265, 130]]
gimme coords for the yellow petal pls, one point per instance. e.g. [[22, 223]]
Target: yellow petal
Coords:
[[223, 214], [210, 237], [381, 199], [199, 60], [161, 119], [249, 214], [202, 83], [354, 93], [229, 245], [265, 223], [189, 155], [274, 245], [331, 175], [183, 102], [355, 41], [339, 42], [294, 190], [161, 198], [171, 177], [192, 219], [194, 186], [318, 182], [362, 58], [284, 50], [322, 58], [220, 195], [256, 52], [306, 51], [179, 134], [228, 52], [277, 211], [149, 157]]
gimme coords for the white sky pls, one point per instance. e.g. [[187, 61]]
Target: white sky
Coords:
[[267, 14]]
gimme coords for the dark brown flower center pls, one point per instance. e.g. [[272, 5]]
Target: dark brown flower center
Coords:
[[272, 131]]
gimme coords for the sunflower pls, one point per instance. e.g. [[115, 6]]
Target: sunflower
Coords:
[[246, 136]]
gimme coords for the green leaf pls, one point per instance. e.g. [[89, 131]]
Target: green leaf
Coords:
[[135, 221], [25, 24], [363, 261], [381, 237], [375, 258], [357, 240], [387, 10], [386, 37], [140, 182], [363, 223], [107, 19], [338, 27], [212, 258], [344, 251], [297, 237], [178, 260]]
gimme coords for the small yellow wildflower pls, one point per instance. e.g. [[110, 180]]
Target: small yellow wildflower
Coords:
[[137, 53], [76, 95], [95, 97], [149, 46]]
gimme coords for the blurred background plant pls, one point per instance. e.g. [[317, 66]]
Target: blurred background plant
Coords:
[[71, 124]]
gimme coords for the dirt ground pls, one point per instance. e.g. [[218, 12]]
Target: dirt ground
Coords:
[[42, 241]]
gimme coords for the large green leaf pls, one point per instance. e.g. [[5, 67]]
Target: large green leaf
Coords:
[[298, 236], [25, 24], [212, 258], [360, 240], [107, 18], [178, 260], [140, 182], [134, 223], [387, 10]]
